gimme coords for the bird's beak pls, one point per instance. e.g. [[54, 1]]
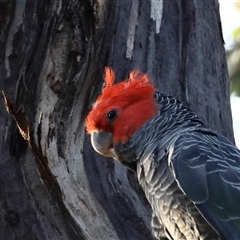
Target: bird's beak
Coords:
[[102, 143]]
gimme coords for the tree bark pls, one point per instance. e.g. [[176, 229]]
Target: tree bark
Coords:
[[52, 184]]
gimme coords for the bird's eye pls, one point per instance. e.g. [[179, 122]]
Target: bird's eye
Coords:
[[111, 115]]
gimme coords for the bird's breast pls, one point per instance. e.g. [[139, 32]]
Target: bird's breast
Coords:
[[177, 213]]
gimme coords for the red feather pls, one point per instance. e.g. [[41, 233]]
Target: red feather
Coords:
[[132, 98]]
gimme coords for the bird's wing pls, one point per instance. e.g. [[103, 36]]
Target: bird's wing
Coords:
[[207, 169]]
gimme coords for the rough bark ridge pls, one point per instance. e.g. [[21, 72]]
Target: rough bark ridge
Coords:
[[52, 53]]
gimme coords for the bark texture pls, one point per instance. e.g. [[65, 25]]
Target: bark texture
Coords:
[[52, 54]]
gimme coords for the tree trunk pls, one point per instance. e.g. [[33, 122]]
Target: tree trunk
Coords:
[[52, 184]]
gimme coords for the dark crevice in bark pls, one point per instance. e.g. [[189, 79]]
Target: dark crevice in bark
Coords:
[[188, 27]]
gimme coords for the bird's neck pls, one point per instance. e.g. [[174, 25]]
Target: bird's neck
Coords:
[[172, 118]]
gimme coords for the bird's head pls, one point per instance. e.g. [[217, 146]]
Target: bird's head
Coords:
[[120, 111]]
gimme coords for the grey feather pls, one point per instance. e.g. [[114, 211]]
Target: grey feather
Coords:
[[190, 174]]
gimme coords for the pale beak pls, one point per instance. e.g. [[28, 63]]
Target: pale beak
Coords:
[[102, 143]]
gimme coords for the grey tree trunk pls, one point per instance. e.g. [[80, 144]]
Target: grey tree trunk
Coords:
[[52, 184]]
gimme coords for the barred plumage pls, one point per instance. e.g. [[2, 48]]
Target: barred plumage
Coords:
[[178, 214]]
